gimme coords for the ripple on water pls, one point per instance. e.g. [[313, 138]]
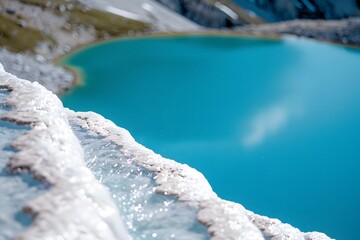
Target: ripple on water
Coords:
[[146, 214]]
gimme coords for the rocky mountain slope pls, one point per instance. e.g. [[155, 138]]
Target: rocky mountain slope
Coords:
[[212, 14], [278, 10], [224, 14]]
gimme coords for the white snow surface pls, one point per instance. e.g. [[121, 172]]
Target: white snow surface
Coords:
[[78, 207]]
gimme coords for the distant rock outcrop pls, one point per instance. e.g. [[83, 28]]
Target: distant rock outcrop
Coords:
[[209, 14], [304, 9], [212, 14], [200, 12], [346, 31]]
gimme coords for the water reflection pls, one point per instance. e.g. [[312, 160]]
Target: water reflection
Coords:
[[264, 124]]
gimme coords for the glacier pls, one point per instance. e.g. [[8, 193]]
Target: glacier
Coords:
[[104, 185]]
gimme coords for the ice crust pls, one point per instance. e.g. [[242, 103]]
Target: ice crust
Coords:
[[76, 206], [15, 189], [147, 215], [79, 207]]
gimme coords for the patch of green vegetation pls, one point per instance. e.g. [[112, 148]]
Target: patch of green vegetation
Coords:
[[40, 3], [49, 4], [16, 38], [104, 23]]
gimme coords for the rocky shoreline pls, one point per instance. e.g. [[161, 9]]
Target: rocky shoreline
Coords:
[[37, 68], [345, 32], [59, 80], [57, 29]]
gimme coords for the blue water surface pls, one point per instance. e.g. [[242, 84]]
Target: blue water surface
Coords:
[[273, 125]]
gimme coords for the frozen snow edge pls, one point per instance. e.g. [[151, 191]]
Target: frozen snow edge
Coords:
[[78, 207], [225, 220]]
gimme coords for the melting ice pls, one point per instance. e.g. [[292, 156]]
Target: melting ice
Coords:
[[147, 215]]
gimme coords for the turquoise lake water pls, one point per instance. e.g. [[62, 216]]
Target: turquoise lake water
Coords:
[[273, 125]]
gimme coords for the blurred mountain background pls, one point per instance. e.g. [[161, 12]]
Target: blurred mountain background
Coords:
[[218, 14]]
